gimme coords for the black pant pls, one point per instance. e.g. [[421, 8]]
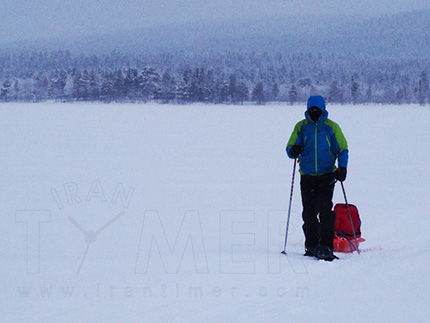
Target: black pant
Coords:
[[317, 195]]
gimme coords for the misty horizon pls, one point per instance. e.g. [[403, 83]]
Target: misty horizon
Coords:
[[54, 19]]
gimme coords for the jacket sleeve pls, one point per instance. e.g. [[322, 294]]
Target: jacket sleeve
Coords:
[[342, 157], [296, 138]]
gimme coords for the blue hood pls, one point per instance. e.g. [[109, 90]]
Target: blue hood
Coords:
[[316, 101]]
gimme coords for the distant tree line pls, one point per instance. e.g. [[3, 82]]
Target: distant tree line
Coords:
[[226, 77]]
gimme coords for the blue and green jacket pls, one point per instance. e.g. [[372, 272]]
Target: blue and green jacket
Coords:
[[322, 143]]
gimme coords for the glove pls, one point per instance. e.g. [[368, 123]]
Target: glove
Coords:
[[295, 151], [340, 174]]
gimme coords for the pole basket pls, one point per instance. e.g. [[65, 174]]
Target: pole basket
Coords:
[[343, 235]]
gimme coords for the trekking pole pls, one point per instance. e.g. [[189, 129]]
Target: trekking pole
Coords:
[[350, 218], [289, 207]]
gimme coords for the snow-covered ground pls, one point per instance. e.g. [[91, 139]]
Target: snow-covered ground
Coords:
[[161, 213]]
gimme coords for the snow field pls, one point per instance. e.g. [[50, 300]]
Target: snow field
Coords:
[[157, 213]]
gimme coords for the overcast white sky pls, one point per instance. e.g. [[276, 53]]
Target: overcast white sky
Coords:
[[31, 19]]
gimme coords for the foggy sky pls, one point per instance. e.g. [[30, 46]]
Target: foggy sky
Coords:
[[32, 19]]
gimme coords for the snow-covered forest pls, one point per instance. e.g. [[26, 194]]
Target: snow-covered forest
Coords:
[[215, 77]]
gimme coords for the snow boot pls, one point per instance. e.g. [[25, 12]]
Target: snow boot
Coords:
[[325, 253], [311, 251]]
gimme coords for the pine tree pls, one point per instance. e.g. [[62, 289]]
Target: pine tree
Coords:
[[223, 91], [107, 90], [354, 90], [275, 91], [58, 82], [131, 84], [167, 87], [5, 91], [118, 83], [209, 87], [423, 88], [369, 94], [93, 87], [292, 94], [232, 89], [40, 87], [258, 94], [197, 84], [335, 93], [150, 84], [16, 90], [183, 89], [242, 92], [81, 85]]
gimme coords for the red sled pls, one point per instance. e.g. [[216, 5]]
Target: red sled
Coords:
[[343, 234]]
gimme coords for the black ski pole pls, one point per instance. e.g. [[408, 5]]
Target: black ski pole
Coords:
[[350, 218], [289, 208]]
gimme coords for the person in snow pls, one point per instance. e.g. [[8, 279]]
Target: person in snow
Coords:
[[318, 141]]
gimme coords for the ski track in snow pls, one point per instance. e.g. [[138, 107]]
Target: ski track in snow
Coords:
[[163, 213]]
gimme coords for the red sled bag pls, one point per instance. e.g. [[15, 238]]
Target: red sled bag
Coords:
[[343, 235]]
